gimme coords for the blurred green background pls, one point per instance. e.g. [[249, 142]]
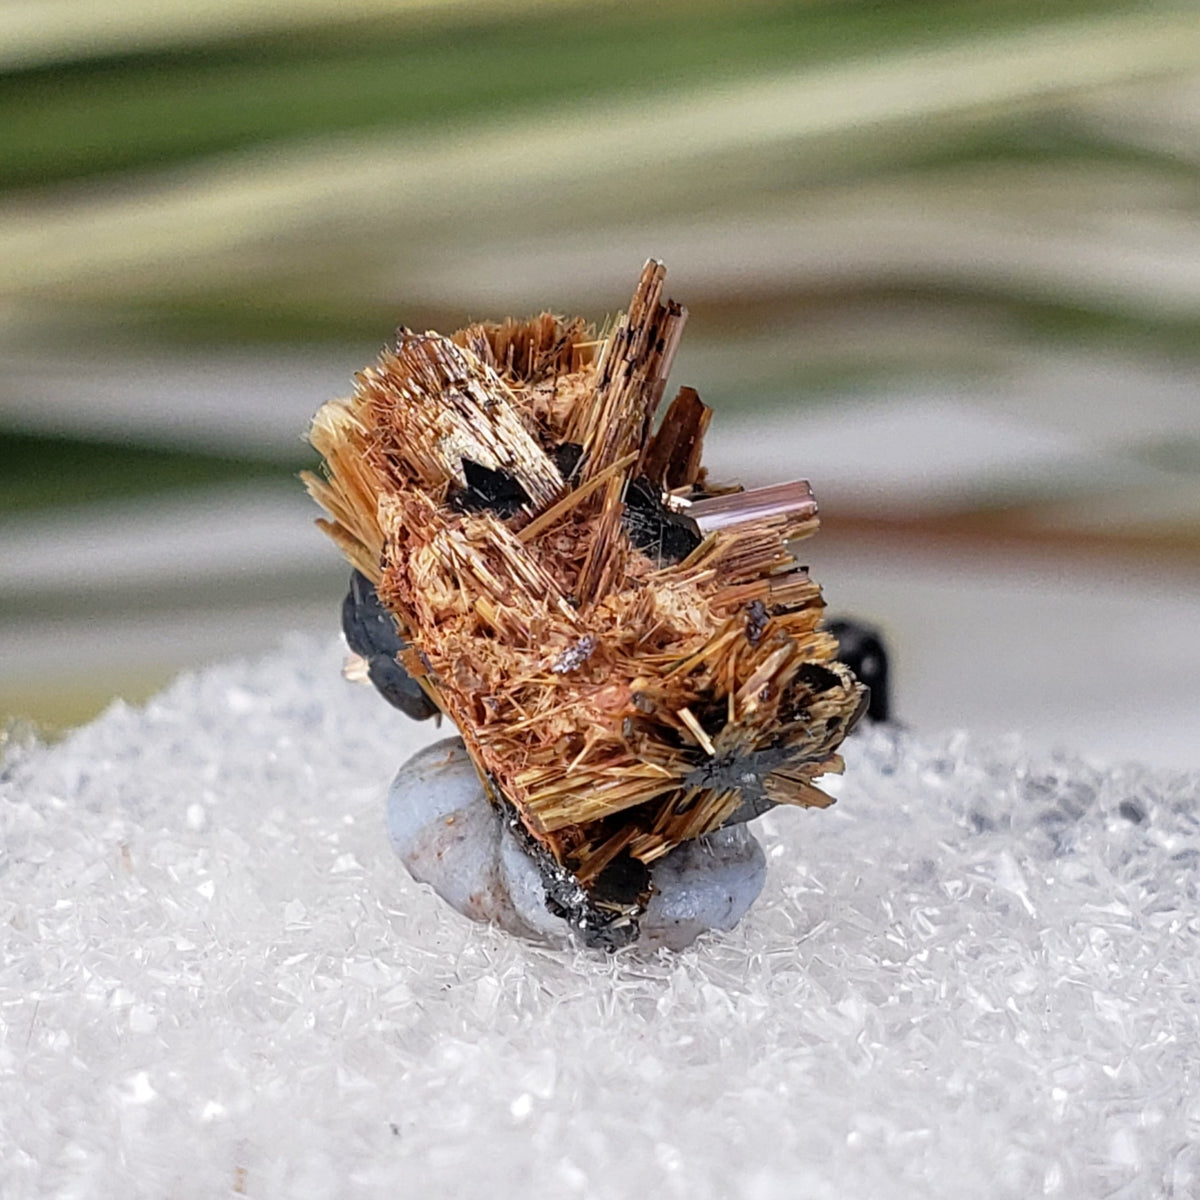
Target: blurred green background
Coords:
[[941, 258]]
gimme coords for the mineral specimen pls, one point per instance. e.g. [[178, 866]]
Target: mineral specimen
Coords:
[[632, 654]]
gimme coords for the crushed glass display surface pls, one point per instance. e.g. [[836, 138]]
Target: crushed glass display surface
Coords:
[[974, 976]]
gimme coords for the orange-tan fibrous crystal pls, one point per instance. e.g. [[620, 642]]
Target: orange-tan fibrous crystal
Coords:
[[630, 654]]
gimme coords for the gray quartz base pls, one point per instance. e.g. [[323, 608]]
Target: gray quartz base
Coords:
[[448, 835]]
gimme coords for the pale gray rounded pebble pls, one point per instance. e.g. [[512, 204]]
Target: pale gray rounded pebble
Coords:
[[450, 836], [527, 892], [709, 883], [432, 785]]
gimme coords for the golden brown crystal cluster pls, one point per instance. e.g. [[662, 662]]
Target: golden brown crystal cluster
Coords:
[[632, 655]]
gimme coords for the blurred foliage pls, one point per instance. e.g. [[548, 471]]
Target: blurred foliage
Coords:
[[39, 471], [151, 129], [211, 190], [73, 120]]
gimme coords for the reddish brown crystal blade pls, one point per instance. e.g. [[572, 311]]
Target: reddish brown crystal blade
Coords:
[[632, 375], [672, 459]]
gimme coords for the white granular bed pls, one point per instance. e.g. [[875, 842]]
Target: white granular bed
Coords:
[[973, 977]]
